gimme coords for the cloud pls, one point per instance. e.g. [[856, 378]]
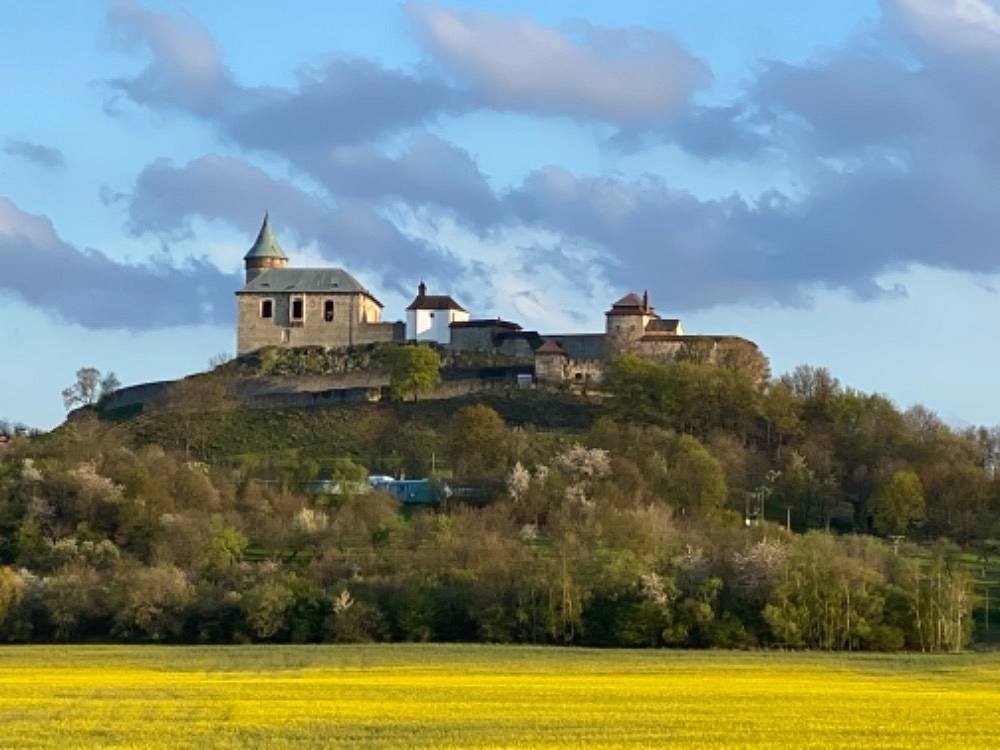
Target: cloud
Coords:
[[325, 125], [37, 153], [428, 171], [88, 288], [185, 71], [626, 76], [961, 28], [890, 143], [343, 101], [166, 197], [849, 230]]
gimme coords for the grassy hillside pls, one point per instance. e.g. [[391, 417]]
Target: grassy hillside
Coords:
[[353, 430]]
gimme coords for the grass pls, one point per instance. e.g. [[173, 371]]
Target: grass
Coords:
[[490, 696], [346, 429]]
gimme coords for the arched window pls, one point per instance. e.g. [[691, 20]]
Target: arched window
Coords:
[[328, 310], [267, 308]]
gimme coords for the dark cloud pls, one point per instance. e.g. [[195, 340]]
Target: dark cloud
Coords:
[[166, 197], [428, 171], [37, 153], [89, 288], [343, 101]]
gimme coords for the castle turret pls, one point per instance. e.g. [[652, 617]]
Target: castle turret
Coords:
[[626, 323], [266, 252]]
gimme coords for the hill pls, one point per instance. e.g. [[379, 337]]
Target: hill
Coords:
[[689, 504]]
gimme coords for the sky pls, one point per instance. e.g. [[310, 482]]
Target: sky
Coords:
[[822, 178]]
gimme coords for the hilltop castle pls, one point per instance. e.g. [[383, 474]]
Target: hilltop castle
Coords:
[[294, 307]]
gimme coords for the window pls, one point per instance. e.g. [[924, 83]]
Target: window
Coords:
[[328, 310], [267, 308], [298, 308]]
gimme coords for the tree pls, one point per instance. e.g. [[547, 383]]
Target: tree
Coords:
[[899, 503], [204, 403], [11, 591], [640, 390], [696, 482], [109, 384], [476, 442], [414, 370], [782, 412], [89, 387]]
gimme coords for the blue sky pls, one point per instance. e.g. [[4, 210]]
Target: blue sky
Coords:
[[821, 178]]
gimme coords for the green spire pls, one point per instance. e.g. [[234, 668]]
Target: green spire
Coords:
[[266, 245]]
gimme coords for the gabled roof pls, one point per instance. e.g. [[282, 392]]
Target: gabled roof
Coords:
[[434, 302], [629, 300], [551, 346], [266, 245], [325, 280], [631, 304]]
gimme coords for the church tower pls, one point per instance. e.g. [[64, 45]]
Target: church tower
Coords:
[[266, 252]]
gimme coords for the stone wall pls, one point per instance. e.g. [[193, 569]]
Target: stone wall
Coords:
[[304, 391], [472, 338], [558, 369], [356, 320]]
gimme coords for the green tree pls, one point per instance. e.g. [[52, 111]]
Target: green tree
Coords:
[[899, 503], [696, 482], [11, 591], [640, 390], [476, 443], [414, 370], [151, 601], [205, 403]]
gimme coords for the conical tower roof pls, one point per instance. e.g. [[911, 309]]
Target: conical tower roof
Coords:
[[266, 245]]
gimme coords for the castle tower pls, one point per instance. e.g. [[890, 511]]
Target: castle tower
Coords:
[[626, 323], [265, 253]]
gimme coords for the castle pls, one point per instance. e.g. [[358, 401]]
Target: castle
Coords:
[[295, 307]]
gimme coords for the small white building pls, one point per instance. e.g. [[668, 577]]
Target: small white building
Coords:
[[429, 316]]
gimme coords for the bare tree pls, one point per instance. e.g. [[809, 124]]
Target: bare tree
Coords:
[[85, 390], [89, 387]]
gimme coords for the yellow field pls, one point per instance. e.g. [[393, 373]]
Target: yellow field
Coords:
[[483, 696]]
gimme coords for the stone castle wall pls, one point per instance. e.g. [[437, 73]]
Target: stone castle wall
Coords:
[[356, 320]]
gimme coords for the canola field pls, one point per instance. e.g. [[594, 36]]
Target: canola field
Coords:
[[490, 696]]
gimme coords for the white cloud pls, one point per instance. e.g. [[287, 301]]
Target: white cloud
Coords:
[[961, 27], [625, 76]]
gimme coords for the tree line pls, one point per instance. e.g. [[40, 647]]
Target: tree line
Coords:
[[632, 533]]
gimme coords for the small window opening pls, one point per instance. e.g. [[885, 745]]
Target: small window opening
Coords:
[[328, 310], [267, 309], [579, 376], [297, 310]]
